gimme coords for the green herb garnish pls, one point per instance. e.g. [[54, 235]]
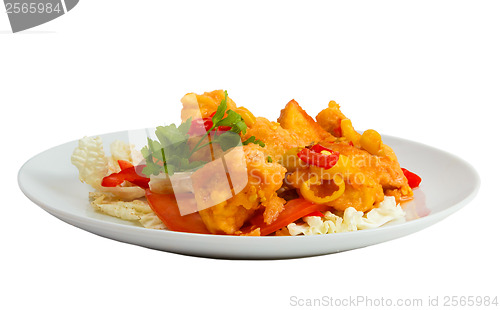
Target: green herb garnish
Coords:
[[253, 140], [171, 153]]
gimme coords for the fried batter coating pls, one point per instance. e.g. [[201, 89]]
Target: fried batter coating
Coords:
[[199, 106], [277, 139], [294, 119], [368, 178], [224, 204], [329, 119]]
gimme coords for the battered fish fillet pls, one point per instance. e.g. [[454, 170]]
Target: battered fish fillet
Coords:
[[277, 139], [367, 179], [329, 119], [226, 200], [199, 106], [369, 176], [294, 119]]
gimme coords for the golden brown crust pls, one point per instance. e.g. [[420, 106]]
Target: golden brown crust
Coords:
[[294, 119], [227, 200], [329, 119]]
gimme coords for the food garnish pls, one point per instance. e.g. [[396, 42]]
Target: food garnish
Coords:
[[168, 153], [319, 156]]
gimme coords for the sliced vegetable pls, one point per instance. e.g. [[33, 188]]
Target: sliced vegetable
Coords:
[[166, 208], [319, 156], [294, 210], [223, 128], [200, 126], [124, 164], [128, 173], [315, 213], [413, 179], [319, 148], [214, 112], [309, 194]]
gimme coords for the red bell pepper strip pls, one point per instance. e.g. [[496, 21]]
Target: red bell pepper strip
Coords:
[[166, 208], [315, 213], [314, 156], [294, 210], [128, 173], [124, 164], [413, 179]]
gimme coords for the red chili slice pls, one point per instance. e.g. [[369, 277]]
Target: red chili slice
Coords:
[[413, 179], [294, 210], [319, 148], [313, 156], [213, 113], [200, 126], [223, 128]]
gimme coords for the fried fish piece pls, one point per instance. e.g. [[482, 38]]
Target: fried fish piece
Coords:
[[294, 119], [229, 192], [368, 178], [277, 140], [330, 118], [199, 106]]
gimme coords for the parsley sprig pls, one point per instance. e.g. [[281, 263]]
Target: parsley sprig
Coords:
[[172, 153], [168, 154]]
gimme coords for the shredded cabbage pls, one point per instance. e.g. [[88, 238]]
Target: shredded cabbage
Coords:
[[91, 161], [387, 211], [93, 165], [136, 210]]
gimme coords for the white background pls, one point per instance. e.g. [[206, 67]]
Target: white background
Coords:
[[428, 71]]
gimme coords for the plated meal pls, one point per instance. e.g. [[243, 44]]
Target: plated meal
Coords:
[[224, 171]]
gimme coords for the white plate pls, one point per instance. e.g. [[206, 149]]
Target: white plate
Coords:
[[50, 181]]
